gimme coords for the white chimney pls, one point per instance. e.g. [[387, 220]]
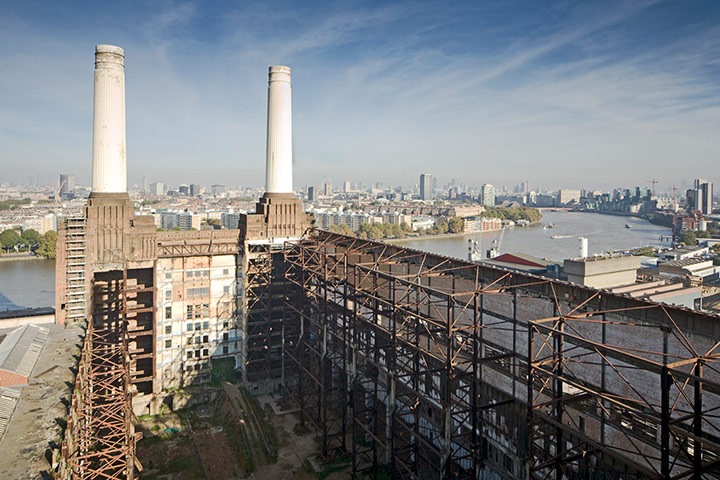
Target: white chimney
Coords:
[[278, 174], [108, 157]]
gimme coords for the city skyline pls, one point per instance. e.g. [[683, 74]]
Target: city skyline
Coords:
[[552, 94]]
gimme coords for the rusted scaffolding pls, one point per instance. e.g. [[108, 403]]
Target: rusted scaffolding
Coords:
[[431, 367], [100, 439]]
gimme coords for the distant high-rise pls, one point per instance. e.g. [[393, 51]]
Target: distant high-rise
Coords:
[[145, 185], [312, 194], [487, 195], [194, 189], [702, 198], [217, 189], [67, 185], [426, 189], [327, 188], [157, 188], [346, 187], [184, 189]]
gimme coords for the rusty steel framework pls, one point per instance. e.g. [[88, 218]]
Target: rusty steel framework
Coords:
[[425, 366], [100, 438]]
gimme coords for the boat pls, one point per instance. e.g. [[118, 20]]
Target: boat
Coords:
[[549, 225], [555, 237], [627, 225]]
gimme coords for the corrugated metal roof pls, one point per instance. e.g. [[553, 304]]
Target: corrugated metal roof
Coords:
[[20, 350], [8, 400]]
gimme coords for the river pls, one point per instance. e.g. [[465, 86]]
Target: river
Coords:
[[27, 283], [604, 233]]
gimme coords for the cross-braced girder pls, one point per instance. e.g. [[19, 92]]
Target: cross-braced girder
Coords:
[[440, 368]]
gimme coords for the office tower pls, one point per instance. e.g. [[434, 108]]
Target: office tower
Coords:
[[312, 194], [67, 185], [194, 189], [327, 188], [487, 195], [217, 189], [157, 188], [346, 187], [145, 185], [703, 195], [184, 189], [426, 189]]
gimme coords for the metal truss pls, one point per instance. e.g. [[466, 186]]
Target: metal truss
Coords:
[[100, 439], [432, 367]]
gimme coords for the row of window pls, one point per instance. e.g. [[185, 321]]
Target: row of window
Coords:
[[197, 340], [197, 326], [197, 273], [197, 311]]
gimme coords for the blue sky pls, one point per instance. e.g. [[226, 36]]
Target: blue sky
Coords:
[[564, 94]]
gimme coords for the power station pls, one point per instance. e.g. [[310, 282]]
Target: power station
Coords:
[[417, 366]]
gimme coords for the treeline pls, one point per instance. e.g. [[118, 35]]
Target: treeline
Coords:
[[29, 241], [374, 231], [13, 204], [513, 213]]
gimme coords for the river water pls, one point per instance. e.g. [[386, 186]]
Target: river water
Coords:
[[604, 233], [27, 283], [31, 283]]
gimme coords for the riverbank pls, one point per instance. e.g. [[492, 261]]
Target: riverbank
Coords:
[[451, 235], [11, 257]]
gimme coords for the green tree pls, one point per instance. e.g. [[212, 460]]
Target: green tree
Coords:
[[47, 245], [704, 234], [716, 248], [30, 237], [455, 225], [688, 237], [645, 252], [9, 238]]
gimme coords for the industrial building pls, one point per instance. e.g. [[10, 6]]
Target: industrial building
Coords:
[[415, 365]]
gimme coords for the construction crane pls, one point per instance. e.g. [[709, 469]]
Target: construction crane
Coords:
[[654, 182], [475, 250], [674, 189], [496, 244]]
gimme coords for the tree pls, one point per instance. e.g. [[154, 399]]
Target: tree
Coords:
[[455, 225], [704, 234], [47, 245], [30, 237], [716, 248], [9, 238], [688, 237], [645, 252]]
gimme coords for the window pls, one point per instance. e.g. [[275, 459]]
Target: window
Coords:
[[197, 340], [197, 353], [205, 339], [205, 352], [226, 271], [189, 327], [168, 329], [206, 310], [189, 274], [168, 343], [189, 354], [189, 314], [198, 325], [168, 275], [198, 292], [198, 311], [225, 349], [168, 313], [226, 337], [206, 273], [225, 324], [206, 325], [168, 295], [226, 290], [190, 341]]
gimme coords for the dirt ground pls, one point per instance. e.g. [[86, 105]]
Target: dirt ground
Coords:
[[221, 441]]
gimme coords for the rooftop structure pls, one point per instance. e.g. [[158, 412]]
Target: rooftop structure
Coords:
[[602, 272]]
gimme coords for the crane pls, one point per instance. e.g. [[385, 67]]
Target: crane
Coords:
[[496, 244], [654, 182]]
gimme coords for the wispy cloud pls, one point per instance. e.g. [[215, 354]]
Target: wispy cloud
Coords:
[[486, 92]]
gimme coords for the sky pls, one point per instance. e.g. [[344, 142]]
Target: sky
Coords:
[[592, 94]]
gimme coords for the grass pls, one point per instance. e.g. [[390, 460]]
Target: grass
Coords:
[[223, 370]]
